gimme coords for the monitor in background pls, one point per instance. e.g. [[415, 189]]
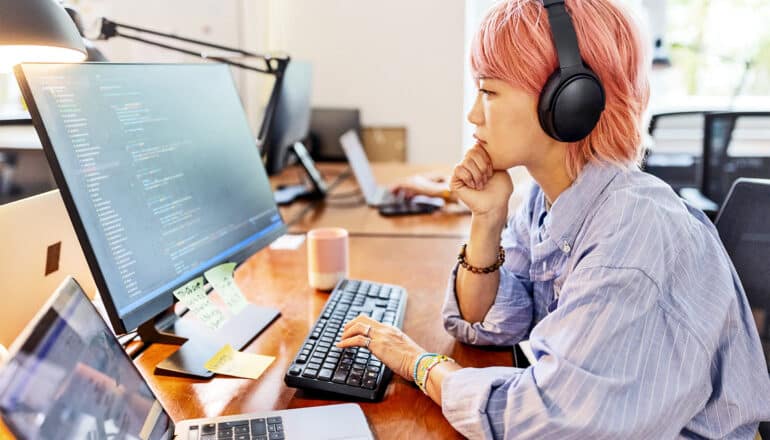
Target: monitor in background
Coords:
[[39, 250], [291, 121], [745, 232], [158, 171], [326, 127]]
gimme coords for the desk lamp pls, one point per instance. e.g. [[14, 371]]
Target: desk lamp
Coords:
[[37, 31]]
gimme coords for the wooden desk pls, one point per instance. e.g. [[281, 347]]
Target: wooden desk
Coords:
[[360, 219], [279, 278]]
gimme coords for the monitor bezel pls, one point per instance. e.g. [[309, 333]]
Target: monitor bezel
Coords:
[[162, 302]]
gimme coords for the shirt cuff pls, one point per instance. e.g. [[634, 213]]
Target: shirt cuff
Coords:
[[465, 396]]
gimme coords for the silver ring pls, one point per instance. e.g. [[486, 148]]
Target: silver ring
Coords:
[[368, 329], [367, 341]]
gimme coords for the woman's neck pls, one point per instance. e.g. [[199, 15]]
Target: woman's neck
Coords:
[[552, 177]]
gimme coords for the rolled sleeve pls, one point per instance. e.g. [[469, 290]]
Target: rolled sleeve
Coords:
[[507, 322], [467, 399]]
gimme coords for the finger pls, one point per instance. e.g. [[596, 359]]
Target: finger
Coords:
[[359, 319], [355, 341], [464, 176], [359, 328], [476, 172], [481, 159]]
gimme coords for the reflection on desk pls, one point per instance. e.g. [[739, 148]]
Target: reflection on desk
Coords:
[[279, 278]]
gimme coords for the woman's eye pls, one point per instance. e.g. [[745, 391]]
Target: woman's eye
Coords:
[[486, 92]]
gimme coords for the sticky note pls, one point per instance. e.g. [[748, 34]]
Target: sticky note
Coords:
[[194, 297], [235, 363], [221, 278]]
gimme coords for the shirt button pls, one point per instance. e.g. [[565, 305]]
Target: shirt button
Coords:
[[565, 247]]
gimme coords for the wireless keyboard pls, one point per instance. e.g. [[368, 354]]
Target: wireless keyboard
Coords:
[[353, 372]]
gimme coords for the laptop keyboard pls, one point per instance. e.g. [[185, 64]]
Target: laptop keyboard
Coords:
[[354, 372], [270, 428]]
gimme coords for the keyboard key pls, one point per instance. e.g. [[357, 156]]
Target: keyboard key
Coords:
[[243, 436], [325, 374], [259, 437], [242, 429], [310, 373], [209, 428], [276, 436], [340, 376], [258, 427], [354, 381], [369, 383], [295, 370], [274, 420]]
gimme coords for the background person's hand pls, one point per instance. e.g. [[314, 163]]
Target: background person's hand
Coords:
[[392, 346], [422, 184], [481, 188]]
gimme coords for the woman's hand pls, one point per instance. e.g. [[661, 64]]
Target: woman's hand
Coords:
[[394, 348], [483, 190]]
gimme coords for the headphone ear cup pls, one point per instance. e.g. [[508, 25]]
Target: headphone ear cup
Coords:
[[545, 104], [569, 108]]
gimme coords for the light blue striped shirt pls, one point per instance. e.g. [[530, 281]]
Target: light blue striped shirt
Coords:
[[637, 319]]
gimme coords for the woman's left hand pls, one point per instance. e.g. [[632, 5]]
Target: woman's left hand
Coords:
[[392, 346]]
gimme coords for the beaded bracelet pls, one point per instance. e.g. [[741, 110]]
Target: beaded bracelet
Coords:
[[417, 363], [478, 270], [422, 379]]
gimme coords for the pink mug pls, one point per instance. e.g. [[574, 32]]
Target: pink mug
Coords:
[[327, 257]]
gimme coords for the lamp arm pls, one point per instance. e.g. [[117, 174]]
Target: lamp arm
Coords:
[[276, 65]]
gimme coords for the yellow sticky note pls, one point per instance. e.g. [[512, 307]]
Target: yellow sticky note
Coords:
[[194, 297], [235, 363], [221, 278]]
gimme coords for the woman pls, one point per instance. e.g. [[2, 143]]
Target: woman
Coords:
[[639, 323]]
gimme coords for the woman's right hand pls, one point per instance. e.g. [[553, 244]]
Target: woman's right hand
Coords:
[[484, 190]]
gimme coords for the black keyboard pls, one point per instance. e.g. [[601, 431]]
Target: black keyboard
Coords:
[[354, 372], [270, 428]]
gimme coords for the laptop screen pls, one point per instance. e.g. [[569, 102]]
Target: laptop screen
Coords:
[[68, 378], [360, 164]]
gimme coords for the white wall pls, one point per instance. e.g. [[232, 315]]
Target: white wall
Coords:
[[400, 61]]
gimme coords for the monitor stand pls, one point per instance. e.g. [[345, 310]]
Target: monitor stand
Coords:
[[199, 343]]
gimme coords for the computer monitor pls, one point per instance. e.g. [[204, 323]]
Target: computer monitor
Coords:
[[291, 121], [326, 127], [158, 170]]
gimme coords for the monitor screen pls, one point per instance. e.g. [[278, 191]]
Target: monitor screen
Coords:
[[159, 172], [70, 378]]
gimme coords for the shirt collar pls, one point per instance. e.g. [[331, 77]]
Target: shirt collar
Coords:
[[571, 208]]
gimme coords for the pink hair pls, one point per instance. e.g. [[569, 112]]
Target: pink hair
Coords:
[[514, 44]]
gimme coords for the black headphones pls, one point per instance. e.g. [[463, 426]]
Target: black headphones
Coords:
[[573, 97]]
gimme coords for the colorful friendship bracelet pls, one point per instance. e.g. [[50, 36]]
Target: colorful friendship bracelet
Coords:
[[417, 363]]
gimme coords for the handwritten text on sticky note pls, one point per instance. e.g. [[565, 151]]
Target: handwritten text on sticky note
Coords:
[[194, 297], [221, 278]]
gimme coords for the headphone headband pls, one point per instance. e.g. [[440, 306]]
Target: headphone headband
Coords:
[[563, 32]]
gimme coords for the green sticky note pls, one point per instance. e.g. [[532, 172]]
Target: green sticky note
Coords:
[[221, 278], [193, 295]]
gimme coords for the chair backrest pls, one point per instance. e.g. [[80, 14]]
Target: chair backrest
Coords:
[[743, 223], [735, 144]]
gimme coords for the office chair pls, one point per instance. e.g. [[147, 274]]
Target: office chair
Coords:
[[735, 144], [743, 227], [675, 155]]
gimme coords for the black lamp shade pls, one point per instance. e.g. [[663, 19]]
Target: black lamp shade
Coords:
[[38, 30]]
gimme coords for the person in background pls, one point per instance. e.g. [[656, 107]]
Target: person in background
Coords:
[[638, 321]]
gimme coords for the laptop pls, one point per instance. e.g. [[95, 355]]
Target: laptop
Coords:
[[39, 250], [68, 378], [375, 194]]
